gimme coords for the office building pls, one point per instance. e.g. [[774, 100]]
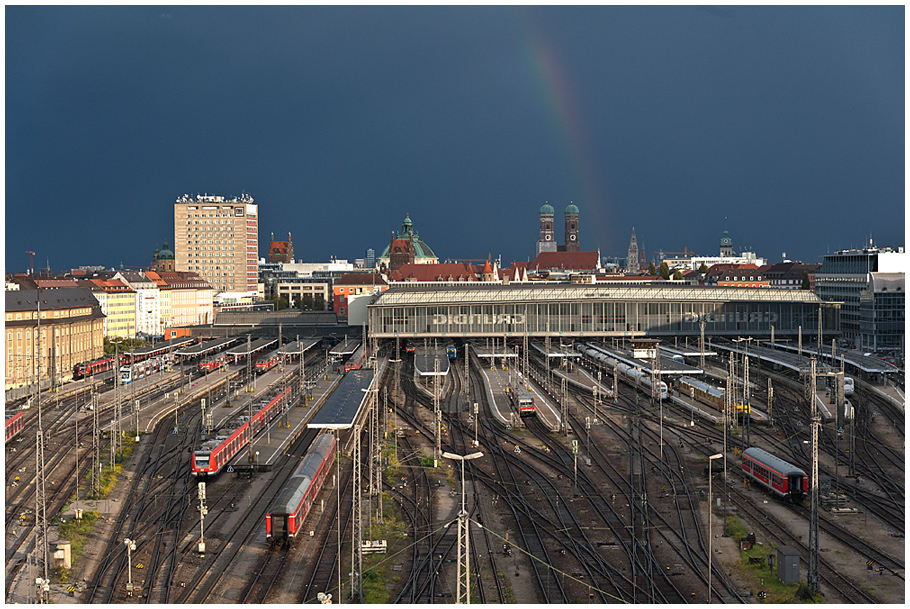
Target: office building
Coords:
[[217, 238]]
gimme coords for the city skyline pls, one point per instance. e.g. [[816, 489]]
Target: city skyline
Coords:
[[338, 121]]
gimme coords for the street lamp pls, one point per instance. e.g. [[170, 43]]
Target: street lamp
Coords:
[[710, 507], [130, 546], [464, 581]]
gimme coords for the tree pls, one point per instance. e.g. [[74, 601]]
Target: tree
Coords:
[[805, 285], [703, 269], [306, 302], [664, 270], [677, 276], [652, 270]]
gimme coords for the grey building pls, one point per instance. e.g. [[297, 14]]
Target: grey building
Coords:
[[881, 313], [844, 275]]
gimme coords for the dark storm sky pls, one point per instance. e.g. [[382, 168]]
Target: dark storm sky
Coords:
[[339, 120]]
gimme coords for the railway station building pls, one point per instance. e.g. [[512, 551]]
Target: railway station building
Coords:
[[597, 310]]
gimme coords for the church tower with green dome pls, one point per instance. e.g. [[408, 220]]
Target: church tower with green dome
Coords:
[[547, 240], [572, 228], [726, 243], [406, 248]]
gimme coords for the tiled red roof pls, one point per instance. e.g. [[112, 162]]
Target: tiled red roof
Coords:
[[360, 279], [278, 247], [564, 261], [434, 272]]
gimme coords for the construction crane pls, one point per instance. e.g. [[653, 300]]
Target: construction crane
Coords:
[[31, 262]]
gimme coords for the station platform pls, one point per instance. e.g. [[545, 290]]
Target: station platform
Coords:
[[686, 352], [557, 351], [790, 361], [298, 346], [159, 348], [241, 350], [493, 352], [345, 347], [868, 364], [425, 361], [206, 347], [272, 443], [495, 382], [583, 379]]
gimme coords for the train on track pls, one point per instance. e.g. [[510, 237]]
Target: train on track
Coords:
[[290, 509], [210, 364], [522, 401], [633, 376], [267, 362], [138, 370], [452, 352], [848, 385], [96, 366], [214, 454], [356, 361], [14, 424], [773, 473], [700, 390]]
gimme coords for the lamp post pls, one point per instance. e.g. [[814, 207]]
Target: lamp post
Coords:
[[710, 509], [464, 561], [130, 546]]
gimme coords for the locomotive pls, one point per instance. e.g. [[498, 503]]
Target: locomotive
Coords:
[[293, 504], [773, 473]]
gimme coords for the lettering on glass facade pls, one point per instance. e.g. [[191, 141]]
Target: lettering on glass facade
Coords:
[[768, 317], [477, 319]]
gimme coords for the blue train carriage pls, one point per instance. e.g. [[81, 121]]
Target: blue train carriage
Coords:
[[290, 509], [522, 400], [452, 352], [773, 473]]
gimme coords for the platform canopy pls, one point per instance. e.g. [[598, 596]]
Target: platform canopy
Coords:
[[343, 406]]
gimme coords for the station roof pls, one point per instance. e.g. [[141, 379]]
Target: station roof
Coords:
[[866, 363], [786, 359], [256, 345], [206, 347], [162, 347], [686, 352], [298, 346], [557, 350], [346, 347], [562, 292], [341, 408], [487, 352], [425, 358]]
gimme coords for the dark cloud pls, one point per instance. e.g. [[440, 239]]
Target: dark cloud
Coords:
[[339, 120]]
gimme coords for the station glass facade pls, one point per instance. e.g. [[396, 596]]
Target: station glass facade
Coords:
[[572, 310]]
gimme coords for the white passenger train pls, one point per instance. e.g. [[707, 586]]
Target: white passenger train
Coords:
[[633, 376]]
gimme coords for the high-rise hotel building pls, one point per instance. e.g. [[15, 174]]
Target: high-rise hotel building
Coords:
[[218, 239]]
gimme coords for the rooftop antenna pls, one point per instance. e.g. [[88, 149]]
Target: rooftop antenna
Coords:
[[31, 262]]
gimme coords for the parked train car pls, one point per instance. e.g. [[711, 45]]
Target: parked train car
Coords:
[[632, 376], [267, 362], [290, 509], [138, 370], [522, 401], [14, 425], [210, 364], [103, 364], [212, 455], [742, 409], [700, 390], [355, 362], [783, 479]]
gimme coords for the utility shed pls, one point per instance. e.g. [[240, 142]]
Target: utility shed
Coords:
[[787, 565]]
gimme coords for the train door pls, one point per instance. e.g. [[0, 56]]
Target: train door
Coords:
[[795, 485], [279, 526]]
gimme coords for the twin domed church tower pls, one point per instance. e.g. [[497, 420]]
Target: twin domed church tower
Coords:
[[547, 241]]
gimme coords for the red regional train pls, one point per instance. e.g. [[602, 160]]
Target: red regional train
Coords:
[[210, 364], [522, 400], [267, 362], [781, 478], [293, 504], [80, 371], [14, 425], [211, 457]]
